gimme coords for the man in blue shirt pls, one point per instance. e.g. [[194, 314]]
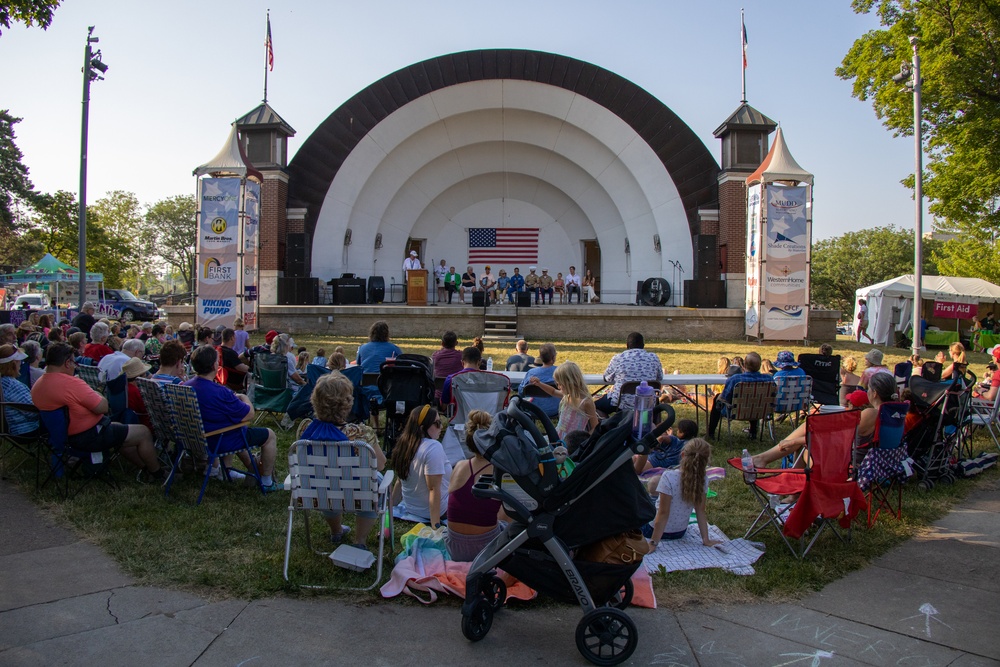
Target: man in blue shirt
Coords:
[[751, 364], [547, 355], [515, 285], [471, 356]]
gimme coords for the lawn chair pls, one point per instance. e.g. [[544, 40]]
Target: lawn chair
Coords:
[[751, 401], [825, 372], [9, 443], [193, 440], [829, 440], [984, 414], [882, 470], [116, 391], [66, 462], [92, 376], [903, 370], [161, 416], [793, 396], [271, 394], [404, 385], [480, 390], [339, 476]]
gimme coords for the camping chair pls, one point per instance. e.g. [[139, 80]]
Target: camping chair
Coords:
[[984, 414], [116, 391], [881, 471], [301, 406], [193, 440], [161, 416], [339, 476], [26, 444], [480, 390], [793, 396], [628, 389], [751, 401], [66, 462], [271, 394], [931, 370], [404, 385], [92, 376], [903, 370], [825, 372]]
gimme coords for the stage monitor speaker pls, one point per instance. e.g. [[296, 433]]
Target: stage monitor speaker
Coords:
[[704, 293], [376, 289], [524, 299], [479, 299], [348, 291]]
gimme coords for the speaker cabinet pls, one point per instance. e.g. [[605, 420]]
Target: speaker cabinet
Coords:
[[297, 291], [706, 262], [348, 291], [298, 260], [480, 299], [524, 299], [376, 289], [704, 294]]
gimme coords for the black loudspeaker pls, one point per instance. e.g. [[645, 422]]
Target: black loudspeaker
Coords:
[[376, 289], [298, 291], [298, 262], [704, 293], [706, 262], [638, 292], [348, 291], [479, 299], [524, 299]]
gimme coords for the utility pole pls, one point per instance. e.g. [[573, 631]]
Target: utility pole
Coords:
[[93, 69], [909, 76]]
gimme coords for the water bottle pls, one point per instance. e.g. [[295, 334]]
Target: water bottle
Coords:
[[489, 364], [749, 471], [642, 418]]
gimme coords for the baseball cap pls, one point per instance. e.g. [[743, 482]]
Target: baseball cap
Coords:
[[270, 336], [413, 253]]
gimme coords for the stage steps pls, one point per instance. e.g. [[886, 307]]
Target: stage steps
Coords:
[[500, 324]]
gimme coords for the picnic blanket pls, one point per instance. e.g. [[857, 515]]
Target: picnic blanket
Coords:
[[688, 553]]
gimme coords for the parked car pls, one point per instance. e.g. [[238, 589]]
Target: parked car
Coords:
[[32, 302], [129, 306]]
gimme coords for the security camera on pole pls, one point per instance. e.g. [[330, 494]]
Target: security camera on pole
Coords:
[[93, 70]]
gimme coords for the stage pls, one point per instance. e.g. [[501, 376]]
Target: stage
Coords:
[[536, 323]]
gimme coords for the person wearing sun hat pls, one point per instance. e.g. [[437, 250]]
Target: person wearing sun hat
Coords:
[[787, 367], [873, 365], [20, 423], [137, 368]]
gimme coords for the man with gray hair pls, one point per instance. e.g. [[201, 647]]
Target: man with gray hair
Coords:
[[98, 348], [521, 361], [85, 319], [111, 365]]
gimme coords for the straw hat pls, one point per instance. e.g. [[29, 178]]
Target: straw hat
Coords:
[[135, 367]]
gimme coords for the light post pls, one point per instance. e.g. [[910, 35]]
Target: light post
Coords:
[[910, 77], [93, 68]]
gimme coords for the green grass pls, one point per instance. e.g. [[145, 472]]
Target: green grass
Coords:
[[232, 545]]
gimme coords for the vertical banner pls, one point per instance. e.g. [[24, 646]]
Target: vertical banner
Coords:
[[786, 271], [251, 237], [753, 293], [218, 252]]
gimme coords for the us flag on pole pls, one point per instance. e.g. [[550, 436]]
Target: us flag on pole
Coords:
[[270, 47], [503, 246]]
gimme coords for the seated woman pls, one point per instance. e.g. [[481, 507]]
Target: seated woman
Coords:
[[559, 285], [422, 468], [881, 389], [957, 363], [873, 365], [472, 522], [19, 422], [678, 492], [589, 284], [332, 400], [848, 380], [500, 289]]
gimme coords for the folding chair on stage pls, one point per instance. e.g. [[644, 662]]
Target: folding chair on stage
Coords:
[[825, 372], [339, 476], [751, 401], [794, 396], [481, 390], [826, 493], [882, 470]]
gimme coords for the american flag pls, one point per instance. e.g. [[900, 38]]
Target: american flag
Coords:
[[503, 246], [744, 36], [269, 46]]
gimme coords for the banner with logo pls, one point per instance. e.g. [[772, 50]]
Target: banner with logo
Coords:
[[753, 246], [785, 291], [251, 236], [218, 251]]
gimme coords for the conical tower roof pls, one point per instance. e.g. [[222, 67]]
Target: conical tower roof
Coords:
[[779, 165]]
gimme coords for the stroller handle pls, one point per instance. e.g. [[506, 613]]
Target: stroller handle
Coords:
[[517, 408], [648, 441]]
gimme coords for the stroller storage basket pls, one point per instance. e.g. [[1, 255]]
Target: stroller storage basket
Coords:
[[540, 571]]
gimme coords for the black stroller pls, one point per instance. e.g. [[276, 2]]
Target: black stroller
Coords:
[[405, 383], [937, 439], [551, 518]]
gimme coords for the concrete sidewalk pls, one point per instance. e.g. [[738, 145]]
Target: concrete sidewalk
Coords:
[[932, 601]]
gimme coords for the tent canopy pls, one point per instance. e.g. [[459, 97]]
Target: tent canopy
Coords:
[[939, 288], [47, 270], [779, 165], [230, 161]]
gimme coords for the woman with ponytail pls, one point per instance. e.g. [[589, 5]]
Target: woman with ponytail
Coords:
[[679, 491], [419, 462]]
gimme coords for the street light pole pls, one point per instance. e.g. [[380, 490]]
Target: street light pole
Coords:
[[918, 198], [92, 70]]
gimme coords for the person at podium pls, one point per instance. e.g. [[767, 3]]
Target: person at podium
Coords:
[[411, 263]]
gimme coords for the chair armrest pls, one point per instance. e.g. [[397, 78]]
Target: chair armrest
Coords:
[[233, 427], [387, 481], [28, 407]]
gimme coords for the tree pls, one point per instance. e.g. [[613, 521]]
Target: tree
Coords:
[[130, 244], [173, 220], [960, 62], [843, 264], [16, 189], [28, 12]]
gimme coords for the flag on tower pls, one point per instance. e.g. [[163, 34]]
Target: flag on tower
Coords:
[[270, 48], [744, 36]]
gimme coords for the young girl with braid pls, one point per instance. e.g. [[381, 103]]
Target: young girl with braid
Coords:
[[680, 490]]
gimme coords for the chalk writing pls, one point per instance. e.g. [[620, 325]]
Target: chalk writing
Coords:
[[929, 613], [813, 657], [677, 656]]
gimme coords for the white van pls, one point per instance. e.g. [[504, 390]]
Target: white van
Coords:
[[32, 302]]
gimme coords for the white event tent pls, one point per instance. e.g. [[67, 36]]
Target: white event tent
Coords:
[[890, 303]]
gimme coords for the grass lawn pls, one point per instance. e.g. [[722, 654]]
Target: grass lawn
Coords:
[[233, 543]]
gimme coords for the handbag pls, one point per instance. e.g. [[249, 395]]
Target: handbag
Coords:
[[621, 549]]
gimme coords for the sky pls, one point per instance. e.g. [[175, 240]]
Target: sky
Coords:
[[180, 72]]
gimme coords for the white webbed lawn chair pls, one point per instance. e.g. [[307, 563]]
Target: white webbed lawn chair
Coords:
[[478, 390], [341, 476]]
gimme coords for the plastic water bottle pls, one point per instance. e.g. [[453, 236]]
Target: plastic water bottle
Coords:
[[749, 471], [489, 364], [642, 418]]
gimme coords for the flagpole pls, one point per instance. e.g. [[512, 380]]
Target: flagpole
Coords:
[[267, 28], [743, 46]]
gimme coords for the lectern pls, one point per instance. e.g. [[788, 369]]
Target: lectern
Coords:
[[416, 287]]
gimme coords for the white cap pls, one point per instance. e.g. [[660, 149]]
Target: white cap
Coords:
[[413, 253], [532, 268]]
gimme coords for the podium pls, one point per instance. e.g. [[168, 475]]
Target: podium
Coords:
[[416, 287]]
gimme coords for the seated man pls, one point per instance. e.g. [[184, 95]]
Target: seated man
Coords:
[[111, 365], [471, 356], [635, 364], [521, 361], [531, 283], [546, 286], [751, 373], [222, 407], [547, 355], [236, 369], [468, 283], [171, 363], [573, 286], [89, 427], [515, 285]]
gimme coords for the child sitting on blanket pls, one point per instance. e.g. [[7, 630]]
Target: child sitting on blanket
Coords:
[[667, 452], [681, 490], [472, 522]]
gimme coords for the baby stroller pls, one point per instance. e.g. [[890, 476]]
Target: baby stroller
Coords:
[[552, 517], [937, 439], [405, 383]]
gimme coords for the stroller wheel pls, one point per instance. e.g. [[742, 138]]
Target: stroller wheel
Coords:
[[495, 592], [623, 598], [606, 636], [925, 485], [477, 623]]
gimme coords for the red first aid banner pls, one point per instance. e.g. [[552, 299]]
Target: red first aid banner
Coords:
[[951, 310]]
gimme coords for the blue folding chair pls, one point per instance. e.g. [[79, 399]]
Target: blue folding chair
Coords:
[[881, 471], [66, 462], [116, 391]]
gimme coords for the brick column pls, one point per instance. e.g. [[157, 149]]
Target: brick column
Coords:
[[273, 230]]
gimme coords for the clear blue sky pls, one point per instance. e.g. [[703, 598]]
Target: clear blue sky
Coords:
[[181, 71]]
